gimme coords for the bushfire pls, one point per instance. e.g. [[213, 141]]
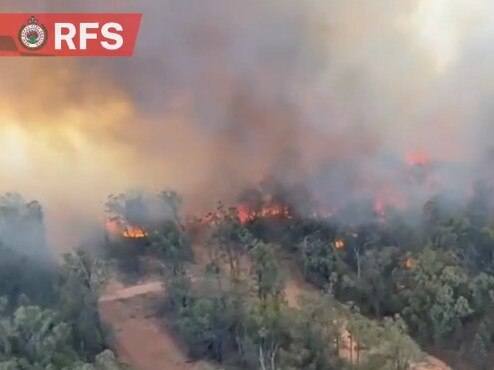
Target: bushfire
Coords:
[[120, 228], [247, 214], [134, 232]]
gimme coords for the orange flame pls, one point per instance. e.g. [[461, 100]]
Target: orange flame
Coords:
[[339, 244], [246, 214], [134, 232], [122, 229]]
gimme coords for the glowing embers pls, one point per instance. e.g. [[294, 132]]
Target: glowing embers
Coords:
[[247, 214], [339, 244]]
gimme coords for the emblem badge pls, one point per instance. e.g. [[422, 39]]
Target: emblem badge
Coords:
[[33, 36]]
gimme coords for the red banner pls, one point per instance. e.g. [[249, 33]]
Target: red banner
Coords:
[[69, 34]]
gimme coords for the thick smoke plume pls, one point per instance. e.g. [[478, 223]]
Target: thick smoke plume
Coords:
[[336, 95]]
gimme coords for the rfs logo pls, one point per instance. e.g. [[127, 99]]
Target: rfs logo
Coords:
[[33, 36]]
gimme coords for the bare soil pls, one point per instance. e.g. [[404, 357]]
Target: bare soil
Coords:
[[141, 341]]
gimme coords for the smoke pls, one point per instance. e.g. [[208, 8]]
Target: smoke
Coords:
[[220, 94]]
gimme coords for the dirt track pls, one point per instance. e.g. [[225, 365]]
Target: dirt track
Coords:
[[140, 340], [132, 291]]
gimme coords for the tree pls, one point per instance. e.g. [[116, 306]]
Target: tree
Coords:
[[394, 350], [376, 285], [435, 295], [228, 241], [325, 265], [173, 204], [36, 338], [481, 346], [265, 329], [172, 246], [80, 282], [48, 313], [267, 274]]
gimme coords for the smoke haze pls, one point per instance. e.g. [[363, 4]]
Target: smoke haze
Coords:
[[220, 94]]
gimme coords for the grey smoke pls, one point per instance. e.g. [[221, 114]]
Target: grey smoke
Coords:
[[224, 90]]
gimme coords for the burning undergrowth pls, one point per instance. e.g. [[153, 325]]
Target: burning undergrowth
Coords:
[[135, 216]]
